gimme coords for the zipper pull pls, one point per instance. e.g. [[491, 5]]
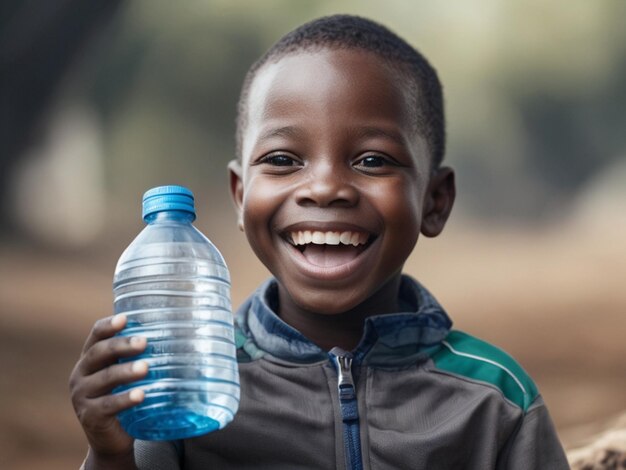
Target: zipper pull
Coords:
[[345, 383]]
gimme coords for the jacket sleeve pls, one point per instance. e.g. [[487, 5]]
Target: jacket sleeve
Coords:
[[154, 456], [535, 445], [158, 455]]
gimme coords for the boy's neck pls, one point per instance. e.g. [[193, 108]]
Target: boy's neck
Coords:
[[345, 329]]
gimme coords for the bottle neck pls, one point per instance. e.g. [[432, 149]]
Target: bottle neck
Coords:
[[170, 216]]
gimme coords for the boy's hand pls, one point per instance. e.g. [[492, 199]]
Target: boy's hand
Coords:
[[95, 375]]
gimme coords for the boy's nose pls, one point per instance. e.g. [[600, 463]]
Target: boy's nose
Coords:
[[327, 186]]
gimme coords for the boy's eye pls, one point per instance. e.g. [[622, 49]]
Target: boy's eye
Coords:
[[372, 161], [279, 160]]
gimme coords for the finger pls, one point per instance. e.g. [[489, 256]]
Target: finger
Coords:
[[109, 351], [100, 409], [104, 328], [104, 381]]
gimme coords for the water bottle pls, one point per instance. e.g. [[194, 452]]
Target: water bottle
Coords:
[[174, 288]]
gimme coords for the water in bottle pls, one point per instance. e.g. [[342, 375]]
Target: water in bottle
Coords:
[[174, 288]]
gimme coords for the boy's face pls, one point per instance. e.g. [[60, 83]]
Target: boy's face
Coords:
[[330, 153]]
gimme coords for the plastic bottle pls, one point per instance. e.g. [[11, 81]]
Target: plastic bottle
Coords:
[[174, 288]]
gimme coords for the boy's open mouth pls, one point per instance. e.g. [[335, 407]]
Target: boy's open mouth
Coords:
[[329, 248]]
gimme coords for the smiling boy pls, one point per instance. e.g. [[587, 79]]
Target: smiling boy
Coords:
[[334, 186], [345, 362]]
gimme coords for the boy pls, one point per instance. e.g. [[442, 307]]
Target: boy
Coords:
[[340, 140]]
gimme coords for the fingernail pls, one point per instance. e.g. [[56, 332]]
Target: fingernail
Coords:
[[118, 320], [140, 367], [136, 395], [137, 341]]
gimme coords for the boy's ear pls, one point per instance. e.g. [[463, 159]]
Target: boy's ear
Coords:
[[438, 202], [236, 189]]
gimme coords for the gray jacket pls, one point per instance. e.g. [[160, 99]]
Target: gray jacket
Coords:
[[413, 395]]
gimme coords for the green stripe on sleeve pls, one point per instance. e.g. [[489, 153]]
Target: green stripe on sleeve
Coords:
[[470, 357]]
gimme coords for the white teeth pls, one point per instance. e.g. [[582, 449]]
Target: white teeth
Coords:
[[332, 238], [329, 238], [319, 238], [355, 238], [344, 238]]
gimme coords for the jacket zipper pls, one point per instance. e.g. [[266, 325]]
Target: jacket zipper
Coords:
[[349, 409]]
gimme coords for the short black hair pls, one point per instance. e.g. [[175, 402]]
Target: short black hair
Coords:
[[354, 32]]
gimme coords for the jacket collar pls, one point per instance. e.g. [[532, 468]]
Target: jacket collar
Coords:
[[393, 339]]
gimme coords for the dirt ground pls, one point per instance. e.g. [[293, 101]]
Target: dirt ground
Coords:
[[555, 300]]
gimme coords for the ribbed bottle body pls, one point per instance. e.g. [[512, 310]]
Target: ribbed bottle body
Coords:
[[174, 288]]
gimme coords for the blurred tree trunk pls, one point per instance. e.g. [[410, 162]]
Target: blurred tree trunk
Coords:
[[39, 41]]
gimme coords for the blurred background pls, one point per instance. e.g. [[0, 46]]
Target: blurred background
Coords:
[[101, 100]]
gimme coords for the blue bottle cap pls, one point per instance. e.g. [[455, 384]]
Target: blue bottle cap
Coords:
[[168, 198]]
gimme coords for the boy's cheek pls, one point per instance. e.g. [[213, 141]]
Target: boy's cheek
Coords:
[[257, 233]]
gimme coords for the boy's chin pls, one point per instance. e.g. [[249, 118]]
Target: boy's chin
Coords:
[[335, 303], [362, 299], [324, 303]]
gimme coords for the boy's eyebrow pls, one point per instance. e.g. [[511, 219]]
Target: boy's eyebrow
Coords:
[[361, 133], [286, 131], [371, 132]]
